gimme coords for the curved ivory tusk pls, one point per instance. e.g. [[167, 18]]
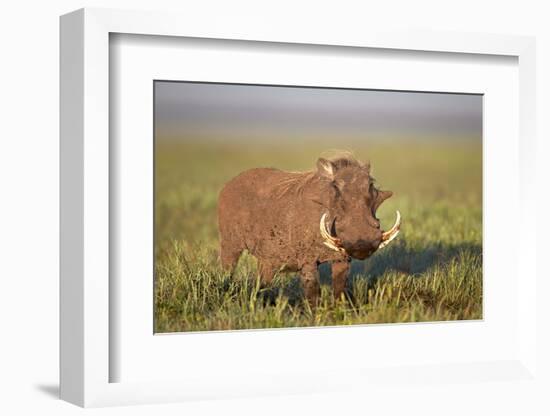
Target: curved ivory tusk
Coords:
[[329, 241], [389, 235]]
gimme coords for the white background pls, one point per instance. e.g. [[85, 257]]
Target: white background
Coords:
[[29, 204]]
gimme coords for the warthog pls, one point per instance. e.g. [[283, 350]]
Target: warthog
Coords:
[[294, 221]]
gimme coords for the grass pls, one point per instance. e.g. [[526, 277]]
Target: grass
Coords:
[[431, 272]]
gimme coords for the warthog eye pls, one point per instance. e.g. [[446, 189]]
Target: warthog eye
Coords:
[[338, 187], [374, 193]]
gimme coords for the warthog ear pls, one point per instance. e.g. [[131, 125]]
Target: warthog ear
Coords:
[[383, 195], [326, 168]]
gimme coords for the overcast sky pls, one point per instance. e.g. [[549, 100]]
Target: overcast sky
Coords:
[[187, 111]]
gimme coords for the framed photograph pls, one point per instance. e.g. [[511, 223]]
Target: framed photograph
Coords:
[[266, 198], [268, 212]]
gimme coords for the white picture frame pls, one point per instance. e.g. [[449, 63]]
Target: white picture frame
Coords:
[[85, 353]]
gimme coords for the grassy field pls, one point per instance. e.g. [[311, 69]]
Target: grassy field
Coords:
[[431, 272]]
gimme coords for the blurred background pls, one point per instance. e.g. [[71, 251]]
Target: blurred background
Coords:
[[254, 113]]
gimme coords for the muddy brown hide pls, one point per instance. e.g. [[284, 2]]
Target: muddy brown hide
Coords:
[[275, 215]]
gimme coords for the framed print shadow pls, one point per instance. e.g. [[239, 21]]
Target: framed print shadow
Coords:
[[275, 205], [267, 211]]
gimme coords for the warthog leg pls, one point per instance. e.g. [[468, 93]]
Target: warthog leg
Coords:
[[229, 255], [267, 271], [310, 280], [340, 271]]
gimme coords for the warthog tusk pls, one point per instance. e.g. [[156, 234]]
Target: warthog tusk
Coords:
[[389, 235], [329, 241]]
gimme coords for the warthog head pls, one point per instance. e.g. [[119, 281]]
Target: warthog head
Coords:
[[350, 201]]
